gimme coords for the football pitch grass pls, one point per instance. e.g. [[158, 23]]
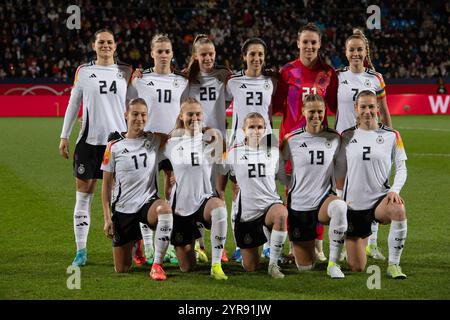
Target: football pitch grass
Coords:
[[37, 194]]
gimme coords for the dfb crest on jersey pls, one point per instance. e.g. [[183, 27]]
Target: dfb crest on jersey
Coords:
[[176, 84], [81, 169], [266, 85], [367, 83], [328, 144], [380, 140], [147, 144], [120, 75]]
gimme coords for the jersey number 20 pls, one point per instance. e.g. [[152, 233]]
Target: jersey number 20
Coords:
[[256, 170]]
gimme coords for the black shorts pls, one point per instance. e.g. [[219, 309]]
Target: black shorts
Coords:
[[87, 160], [126, 225], [302, 225], [360, 221], [165, 165], [250, 234], [185, 230]]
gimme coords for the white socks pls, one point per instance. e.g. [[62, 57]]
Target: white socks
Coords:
[[162, 236], [147, 237], [218, 233], [337, 211], [374, 236], [277, 240], [396, 240], [82, 218]]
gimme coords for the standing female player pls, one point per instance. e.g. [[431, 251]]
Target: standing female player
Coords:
[[163, 90], [131, 165], [207, 85], [252, 90], [312, 151], [192, 198], [101, 86], [254, 165], [308, 74], [367, 154], [352, 80]]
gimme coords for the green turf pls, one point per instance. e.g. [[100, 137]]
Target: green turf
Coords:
[[37, 245]]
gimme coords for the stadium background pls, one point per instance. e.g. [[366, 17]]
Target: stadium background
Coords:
[[38, 58]]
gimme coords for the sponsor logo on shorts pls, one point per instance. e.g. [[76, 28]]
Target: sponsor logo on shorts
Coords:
[[81, 169], [178, 238], [248, 239]]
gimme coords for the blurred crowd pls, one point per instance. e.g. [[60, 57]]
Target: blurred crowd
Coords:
[[36, 43]]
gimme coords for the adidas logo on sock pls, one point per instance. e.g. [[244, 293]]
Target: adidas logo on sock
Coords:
[[353, 141], [125, 151], [93, 76], [82, 224], [303, 145], [243, 86], [150, 83]]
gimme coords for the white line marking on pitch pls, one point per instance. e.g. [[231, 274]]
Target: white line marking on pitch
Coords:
[[430, 154], [422, 128]]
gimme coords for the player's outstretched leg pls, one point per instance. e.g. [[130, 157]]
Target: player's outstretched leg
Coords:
[[162, 238], [218, 237], [337, 212], [147, 239], [81, 224]]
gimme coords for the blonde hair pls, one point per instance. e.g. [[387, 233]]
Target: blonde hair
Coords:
[[313, 98], [193, 67], [179, 124], [358, 34], [136, 101], [158, 38]]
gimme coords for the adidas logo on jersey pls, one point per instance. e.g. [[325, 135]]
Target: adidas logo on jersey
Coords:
[[353, 141], [93, 76], [243, 86], [303, 145], [125, 151], [150, 83], [344, 82], [244, 157], [180, 148]]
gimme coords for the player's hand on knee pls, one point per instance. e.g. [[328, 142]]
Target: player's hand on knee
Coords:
[[64, 148], [394, 198]]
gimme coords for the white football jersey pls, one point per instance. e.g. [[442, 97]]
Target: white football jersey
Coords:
[[209, 90], [192, 169], [368, 156], [103, 91], [134, 163], [350, 84], [313, 159], [163, 94], [255, 171], [250, 94]]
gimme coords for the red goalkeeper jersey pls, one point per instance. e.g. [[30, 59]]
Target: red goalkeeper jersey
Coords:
[[295, 83]]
